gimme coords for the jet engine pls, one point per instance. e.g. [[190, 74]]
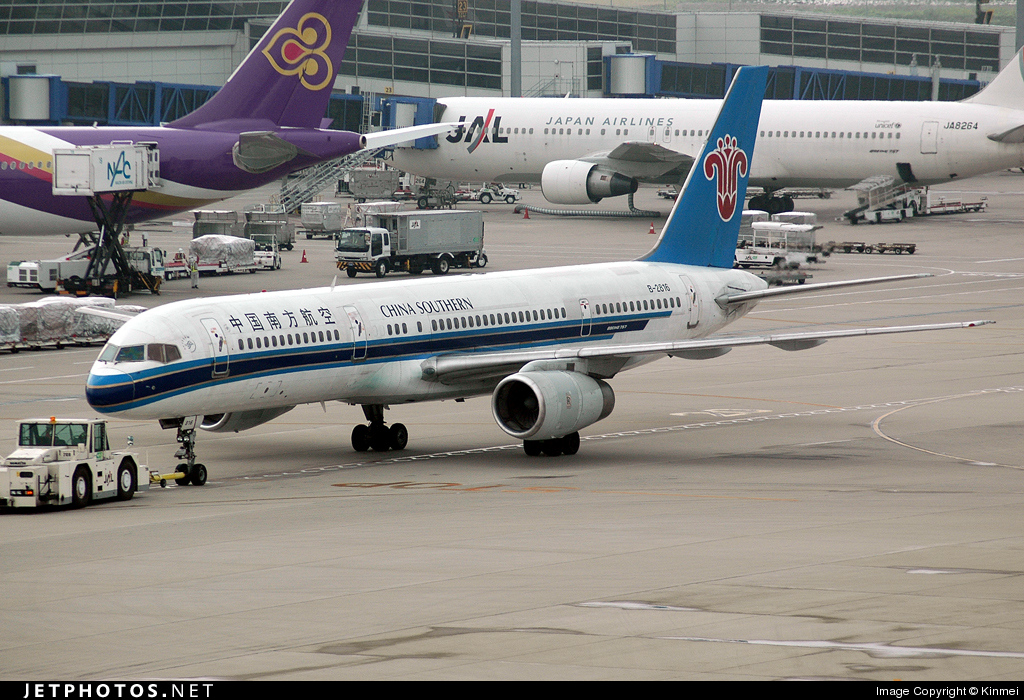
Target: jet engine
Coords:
[[549, 404], [243, 420], [579, 182]]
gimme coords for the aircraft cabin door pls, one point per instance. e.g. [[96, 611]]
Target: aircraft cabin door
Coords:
[[220, 346], [359, 333], [930, 137], [690, 302], [585, 316]]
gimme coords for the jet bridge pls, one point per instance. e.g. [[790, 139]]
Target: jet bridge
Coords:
[[108, 176]]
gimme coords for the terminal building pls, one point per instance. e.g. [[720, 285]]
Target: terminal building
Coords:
[[152, 61]]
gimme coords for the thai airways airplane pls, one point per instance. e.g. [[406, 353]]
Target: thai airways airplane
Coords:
[[263, 124], [582, 150], [544, 343]]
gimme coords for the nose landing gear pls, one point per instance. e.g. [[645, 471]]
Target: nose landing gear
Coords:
[[189, 471]]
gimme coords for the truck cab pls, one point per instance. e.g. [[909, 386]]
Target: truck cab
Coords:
[[67, 461], [364, 249]]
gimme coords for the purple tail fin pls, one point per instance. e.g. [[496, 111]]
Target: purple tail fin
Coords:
[[287, 79]]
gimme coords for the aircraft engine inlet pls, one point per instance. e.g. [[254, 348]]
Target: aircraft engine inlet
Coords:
[[579, 182], [243, 420], [549, 404]]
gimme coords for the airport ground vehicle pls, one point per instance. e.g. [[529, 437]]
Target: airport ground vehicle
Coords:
[[371, 183], [412, 242], [269, 219], [267, 254], [321, 219], [494, 191], [68, 461], [70, 271], [218, 255]]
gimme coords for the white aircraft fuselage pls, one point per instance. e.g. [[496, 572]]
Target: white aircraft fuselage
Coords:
[[829, 144], [343, 344]]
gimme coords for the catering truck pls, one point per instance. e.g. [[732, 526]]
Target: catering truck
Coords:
[[68, 461], [413, 242]]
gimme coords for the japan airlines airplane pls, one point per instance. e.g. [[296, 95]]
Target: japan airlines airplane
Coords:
[[544, 343], [582, 150], [263, 124]]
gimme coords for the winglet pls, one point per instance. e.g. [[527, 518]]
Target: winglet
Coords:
[[705, 222]]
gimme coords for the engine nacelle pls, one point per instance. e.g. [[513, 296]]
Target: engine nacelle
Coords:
[[549, 404], [243, 420], [578, 182]]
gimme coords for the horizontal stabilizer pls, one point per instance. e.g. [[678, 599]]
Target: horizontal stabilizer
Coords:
[[1014, 134], [383, 139], [741, 297]]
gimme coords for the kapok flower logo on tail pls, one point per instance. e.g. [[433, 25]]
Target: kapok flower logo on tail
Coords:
[[302, 51], [728, 164]]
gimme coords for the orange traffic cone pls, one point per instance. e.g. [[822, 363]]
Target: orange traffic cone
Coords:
[[652, 228], [306, 261], [526, 213]]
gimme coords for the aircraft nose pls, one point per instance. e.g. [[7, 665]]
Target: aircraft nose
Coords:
[[108, 389]]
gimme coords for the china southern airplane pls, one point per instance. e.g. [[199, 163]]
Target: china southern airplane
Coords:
[[544, 343], [582, 150], [263, 124]]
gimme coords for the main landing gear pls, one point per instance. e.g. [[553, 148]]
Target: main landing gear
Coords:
[[568, 445], [376, 435], [190, 471], [770, 203]]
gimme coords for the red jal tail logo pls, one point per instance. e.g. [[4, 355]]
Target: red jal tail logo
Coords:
[[302, 51], [728, 164], [481, 130]]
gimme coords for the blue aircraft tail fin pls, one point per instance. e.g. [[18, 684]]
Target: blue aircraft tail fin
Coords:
[[705, 222]]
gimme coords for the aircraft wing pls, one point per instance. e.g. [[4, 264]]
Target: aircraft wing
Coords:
[[642, 159], [456, 368]]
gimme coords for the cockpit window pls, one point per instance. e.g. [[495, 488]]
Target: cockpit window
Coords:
[[109, 352], [131, 353], [162, 353]]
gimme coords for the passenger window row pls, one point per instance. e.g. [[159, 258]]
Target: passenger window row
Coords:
[[505, 318], [826, 134], [603, 309], [279, 340]]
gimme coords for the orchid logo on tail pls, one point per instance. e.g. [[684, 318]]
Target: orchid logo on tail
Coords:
[[302, 51], [728, 163]]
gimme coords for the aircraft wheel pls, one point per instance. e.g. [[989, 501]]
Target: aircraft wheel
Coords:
[[787, 204], [399, 436], [361, 438], [198, 474], [81, 487], [380, 437], [350, 271], [571, 444], [183, 468], [125, 481], [441, 265], [552, 447], [532, 448]]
